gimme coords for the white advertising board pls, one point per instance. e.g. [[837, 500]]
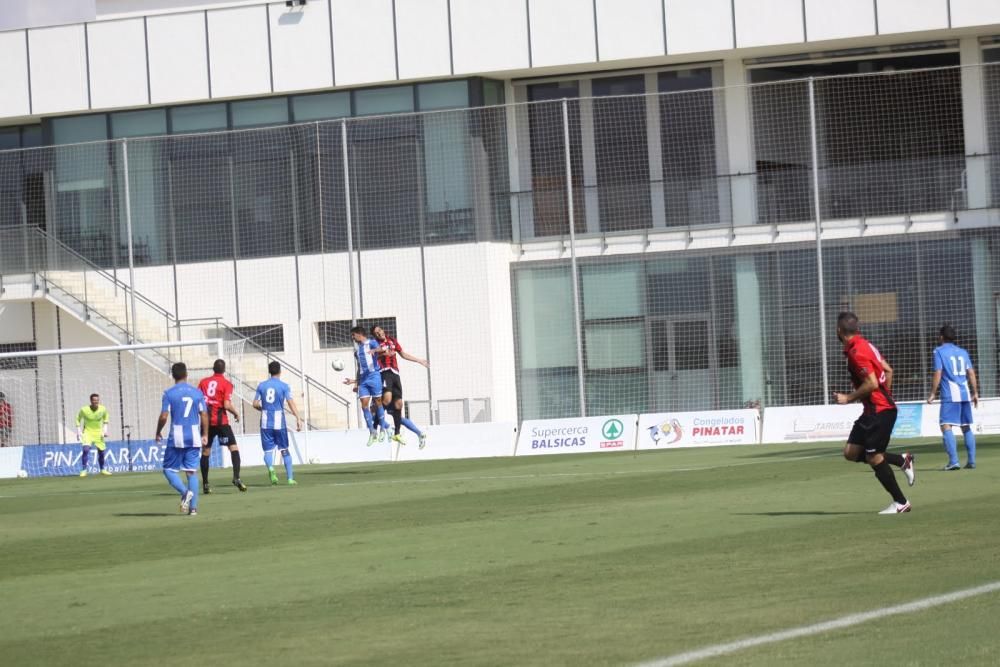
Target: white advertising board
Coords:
[[584, 434], [10, 461], [670, 430], [460, 441], [809, 423]]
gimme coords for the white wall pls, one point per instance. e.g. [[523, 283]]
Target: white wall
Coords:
[[423, 38], [365, 42], [630, 29], [364, 47], [911, 15], [562, 31], [14, 98], [239, 52], [15, 322], [177, 74], [117, 63], [299, 36], [58, 69]]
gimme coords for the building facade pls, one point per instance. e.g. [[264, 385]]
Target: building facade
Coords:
[[566, 205]]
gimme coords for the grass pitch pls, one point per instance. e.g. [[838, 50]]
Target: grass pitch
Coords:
[[585, 559]]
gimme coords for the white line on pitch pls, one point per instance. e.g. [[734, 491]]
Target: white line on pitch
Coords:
[[473, 478], [819, 628]]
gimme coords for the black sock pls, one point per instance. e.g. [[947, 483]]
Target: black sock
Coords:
[[894, 459], [235, 456], [204, 470], [887, 478], [397, 418], [100, 458]]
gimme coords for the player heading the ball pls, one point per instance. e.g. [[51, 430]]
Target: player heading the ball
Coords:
[[369, 383]]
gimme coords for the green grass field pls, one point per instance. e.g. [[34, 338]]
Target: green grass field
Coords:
[[586, 559]]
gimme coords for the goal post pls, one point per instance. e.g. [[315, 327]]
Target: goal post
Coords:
[[45, 389]]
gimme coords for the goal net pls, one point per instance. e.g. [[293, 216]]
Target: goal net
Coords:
[[45, 390]]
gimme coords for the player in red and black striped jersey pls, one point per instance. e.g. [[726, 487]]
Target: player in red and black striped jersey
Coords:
[[218, 391], [392, 389], [871, 376]]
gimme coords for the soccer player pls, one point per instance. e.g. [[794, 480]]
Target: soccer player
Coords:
[[270, 399], [871, 376], [369, 382], [6, 420], [218, 393], [954, 374], [185, 407], [91, 430], [392, 387]]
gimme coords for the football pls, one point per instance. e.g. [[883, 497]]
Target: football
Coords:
[[338, 364], [22, 474]]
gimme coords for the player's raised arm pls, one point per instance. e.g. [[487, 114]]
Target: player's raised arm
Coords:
[[416, 360]]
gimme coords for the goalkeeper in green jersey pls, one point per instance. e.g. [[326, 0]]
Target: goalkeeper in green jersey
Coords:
[[91, 429]]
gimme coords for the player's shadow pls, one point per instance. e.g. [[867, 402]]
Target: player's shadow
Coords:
[[146, 514], [806, 513]]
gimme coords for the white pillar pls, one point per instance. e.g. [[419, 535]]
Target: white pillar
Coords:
[[977, 178], [748, 322], [986, 324], [739, 144]]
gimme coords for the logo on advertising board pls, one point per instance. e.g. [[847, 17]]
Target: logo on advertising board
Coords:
[[667, 433], [56, 460], [908, 420], [809, 427], [612, 432]]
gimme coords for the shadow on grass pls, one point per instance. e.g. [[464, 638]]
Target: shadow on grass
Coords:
[[148, 514], [808, 513]]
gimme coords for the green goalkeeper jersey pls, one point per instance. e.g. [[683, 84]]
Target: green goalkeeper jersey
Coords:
[[93, 421]]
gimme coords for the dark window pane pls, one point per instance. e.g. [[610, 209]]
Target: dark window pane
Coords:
[[622, 155], [548, 161], [321, 107], [271, 337], [258, 113], [336, 334], [198, 118], [692, 342]]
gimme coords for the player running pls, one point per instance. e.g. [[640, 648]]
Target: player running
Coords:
[[91, 430], [270, 399], [218, 393], [871, 376], [392, 387], [185, 407], [953, 365], [368, 382]]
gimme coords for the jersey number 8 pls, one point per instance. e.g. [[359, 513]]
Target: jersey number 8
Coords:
[[269, 397]]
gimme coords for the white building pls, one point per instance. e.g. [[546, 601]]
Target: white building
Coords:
[[693, 152]]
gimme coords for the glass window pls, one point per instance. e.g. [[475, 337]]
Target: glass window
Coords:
[[493, 92], [612, 291], [443, 95], [614, 345], [31, 136], [271, 337], [548, 161], [257, 113], [545, 317], [10, 137], [398, 99], [321, 107], [198, 118], [690, 114], [149, 122], [75, 129], [621, 153], [886, 158]]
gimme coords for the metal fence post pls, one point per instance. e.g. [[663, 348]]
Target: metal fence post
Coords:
[[582, 384], [819, 239], [137, 420]]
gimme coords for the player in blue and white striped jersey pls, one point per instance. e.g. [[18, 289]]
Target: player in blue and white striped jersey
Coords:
[[184, 405], [271, 397], [369, 383], [954, 374]]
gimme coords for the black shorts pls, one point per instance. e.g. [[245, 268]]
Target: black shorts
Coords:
[[873, 431], [390, 382], [224, 433]]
